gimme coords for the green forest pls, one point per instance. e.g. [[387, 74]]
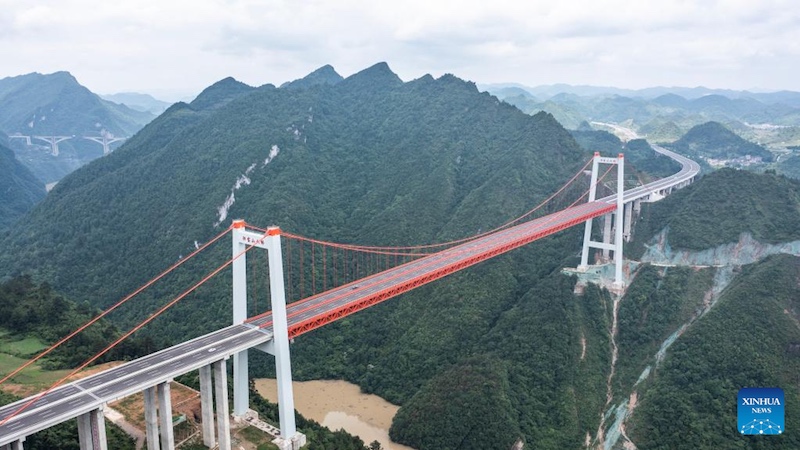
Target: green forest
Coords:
[[720, 207], [714, 140], [500, 352], [750, 339], [19, 189]]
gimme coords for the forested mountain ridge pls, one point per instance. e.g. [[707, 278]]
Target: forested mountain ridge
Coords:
[[713, 140], [690, 337], [748, 339], [663, 115], [57, 105], [721, 206], [19, 189], [371, 160], [674, 104], [501, 351], [138, 101]]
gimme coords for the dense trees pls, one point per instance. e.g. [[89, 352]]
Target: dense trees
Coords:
[[720, 207], [748, 340], [713, 140], [373, 160], [30, 309], [19, 189]]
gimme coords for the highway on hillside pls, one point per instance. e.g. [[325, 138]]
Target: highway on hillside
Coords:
[[81, 396]]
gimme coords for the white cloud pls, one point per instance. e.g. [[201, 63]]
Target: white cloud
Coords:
[[156, 45]]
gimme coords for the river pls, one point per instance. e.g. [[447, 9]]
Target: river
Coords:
[[339, 404]]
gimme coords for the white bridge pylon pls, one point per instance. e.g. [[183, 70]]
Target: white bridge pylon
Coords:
[[619, 215], [279, 345]]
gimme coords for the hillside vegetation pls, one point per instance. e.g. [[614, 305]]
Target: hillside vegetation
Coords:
[[57, 105], [713, 140], [499, 352], [720, 207], [750, 339], [368, 159], [19, 189]]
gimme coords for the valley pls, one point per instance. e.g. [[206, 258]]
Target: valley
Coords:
[[499, 354]]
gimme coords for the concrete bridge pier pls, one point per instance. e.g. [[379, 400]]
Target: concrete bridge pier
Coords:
[[626, 229], [607, 233], [207, 406], [165, 416], [92, 430], [223, 416], [151, 418], [16, 445]]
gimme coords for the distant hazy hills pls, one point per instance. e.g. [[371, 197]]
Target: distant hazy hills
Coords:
[[139, 102], [57, 105], [712, 140], [665, 114], [789, 98]]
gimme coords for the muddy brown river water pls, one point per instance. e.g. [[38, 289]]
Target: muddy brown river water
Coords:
[[339, 404]]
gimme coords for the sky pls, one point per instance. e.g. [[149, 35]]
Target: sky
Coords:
[[175, 48]]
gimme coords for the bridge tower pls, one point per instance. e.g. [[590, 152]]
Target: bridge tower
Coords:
[[279, 346], [619, 215], [105, 140], [53, 141]]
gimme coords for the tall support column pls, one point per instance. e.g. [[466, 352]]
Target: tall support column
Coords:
[[637, 206], [280, 328], [587, 232], [207, 406], [16, 445], [606, 235], [626, 229], [151, 418], [241, 387], [165, 416], [92, 430], [221, 394], [618, 257]]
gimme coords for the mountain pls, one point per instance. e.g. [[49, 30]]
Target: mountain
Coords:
[[324, 75], [713, 140], [720, 207], [641, 155], [138, 101], [370, 159], [664, 114], [503, 351], [19, 189], [708, 330], [221, 93], [749, 339], [57, 105], [789, 98]]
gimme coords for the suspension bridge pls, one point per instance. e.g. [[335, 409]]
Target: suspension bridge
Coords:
[[329, 281]]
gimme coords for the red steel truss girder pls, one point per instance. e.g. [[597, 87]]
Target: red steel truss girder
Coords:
[[393, 291]]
